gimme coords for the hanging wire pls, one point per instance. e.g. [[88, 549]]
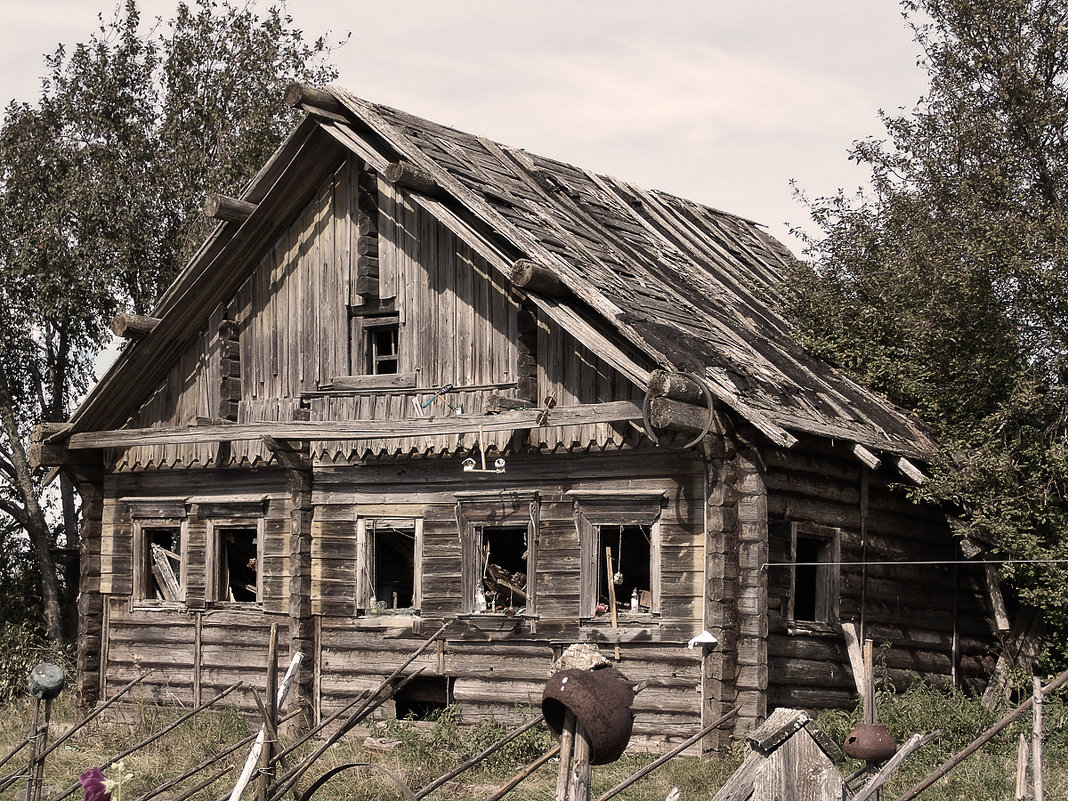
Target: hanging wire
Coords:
[[921, 562]]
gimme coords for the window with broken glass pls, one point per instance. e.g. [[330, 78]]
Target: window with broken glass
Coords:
[[159, 562], [389, 553], [619, 545], [236, 553], [499, 541]]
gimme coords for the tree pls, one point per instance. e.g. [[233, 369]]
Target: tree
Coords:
[[946, 285], [100, 186]]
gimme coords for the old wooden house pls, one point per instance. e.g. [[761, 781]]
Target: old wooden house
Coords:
[[415, 375]]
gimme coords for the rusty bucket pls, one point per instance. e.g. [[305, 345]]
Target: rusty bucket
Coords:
[[870, 742], [600, 700]]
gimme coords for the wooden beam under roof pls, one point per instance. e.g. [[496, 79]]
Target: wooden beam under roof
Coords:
[[300, 431]]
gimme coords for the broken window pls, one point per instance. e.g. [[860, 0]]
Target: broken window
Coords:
[[624, 573], [380, 336], [388, 565], [502, 553], [498, 533], [159, 575], [814, 556], [237, 551], [619, 543]]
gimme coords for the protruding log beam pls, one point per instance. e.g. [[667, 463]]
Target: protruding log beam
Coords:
[[533, 277], [910, 471], [303, 95], [43, 432], [663, 384], [670, 414], [227, 209], [133, 326], [408, 176], [870, 459], [291, 455]]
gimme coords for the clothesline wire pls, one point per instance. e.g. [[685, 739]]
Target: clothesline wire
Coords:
[[921, 562]]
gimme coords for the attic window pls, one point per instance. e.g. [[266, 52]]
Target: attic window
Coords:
[[381, 336], [814, 578]]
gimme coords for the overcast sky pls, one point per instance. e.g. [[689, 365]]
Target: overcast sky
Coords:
[[720, 101]]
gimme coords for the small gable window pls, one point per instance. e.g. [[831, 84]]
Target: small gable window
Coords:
[[381, 336]]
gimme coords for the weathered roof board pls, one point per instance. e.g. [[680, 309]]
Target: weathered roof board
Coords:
[[689, 287]]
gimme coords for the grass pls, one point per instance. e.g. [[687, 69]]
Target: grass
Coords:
[[427, 751]]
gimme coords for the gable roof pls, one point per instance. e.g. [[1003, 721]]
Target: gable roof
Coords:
[[656, 279]]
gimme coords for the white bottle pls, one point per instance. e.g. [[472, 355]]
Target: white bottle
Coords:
[[634, 600]]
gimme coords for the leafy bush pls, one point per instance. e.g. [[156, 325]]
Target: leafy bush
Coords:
[[22, 647]]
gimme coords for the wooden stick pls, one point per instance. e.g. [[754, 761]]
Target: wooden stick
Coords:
[[581, 770], [914, 743], [10, 754], [567, 746], [270, 714], [980, 741], [674, 752], [470, 763], [524, 774], [206, 783], [1037, 775], [152, 738], [38, 778], [313, 732], [611, 594], [1021, 769], [35, 732], [257, 747], [272, 732]]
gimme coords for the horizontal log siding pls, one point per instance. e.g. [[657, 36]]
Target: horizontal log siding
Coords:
[[913, 629], [192, 655], [498, 662]]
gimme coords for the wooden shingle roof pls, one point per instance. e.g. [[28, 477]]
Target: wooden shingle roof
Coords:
[[691, 287]]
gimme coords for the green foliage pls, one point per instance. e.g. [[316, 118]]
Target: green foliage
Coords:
[[946, 286], [101, 183], [23, 646]]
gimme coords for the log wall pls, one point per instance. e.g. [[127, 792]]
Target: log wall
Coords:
[[927, 621]]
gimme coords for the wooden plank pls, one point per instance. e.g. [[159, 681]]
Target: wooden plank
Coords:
[[358, 429]]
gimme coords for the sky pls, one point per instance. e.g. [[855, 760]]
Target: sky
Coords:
[[721, 101]]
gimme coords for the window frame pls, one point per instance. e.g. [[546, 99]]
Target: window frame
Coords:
[[597, 510], [828, 578], [142, 561], [365, 554], [478, 511], [213, 559]]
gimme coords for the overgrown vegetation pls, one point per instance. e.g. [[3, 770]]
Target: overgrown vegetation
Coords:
[[429, 749], [946, 286]]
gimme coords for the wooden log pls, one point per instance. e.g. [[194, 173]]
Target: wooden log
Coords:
[[581, 770], [678, 416], [303, 95], [408, 176], [43, 432], [664, 384], [1021, 769], [270, 714], [227, 209], [910, 471], [533, 277], [567, 747], [133, 326], [870, 459]]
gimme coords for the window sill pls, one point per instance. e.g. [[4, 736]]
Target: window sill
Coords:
[[814, 628], [605, 619], [152, 605]]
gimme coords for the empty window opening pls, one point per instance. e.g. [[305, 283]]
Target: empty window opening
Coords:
[[814, 582], [161, 563], [381, 337], [238, 564], [629, 575], [423, 698], [503, 553], [394, 567]]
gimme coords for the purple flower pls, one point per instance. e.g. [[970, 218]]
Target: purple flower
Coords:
[[92, 781]]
